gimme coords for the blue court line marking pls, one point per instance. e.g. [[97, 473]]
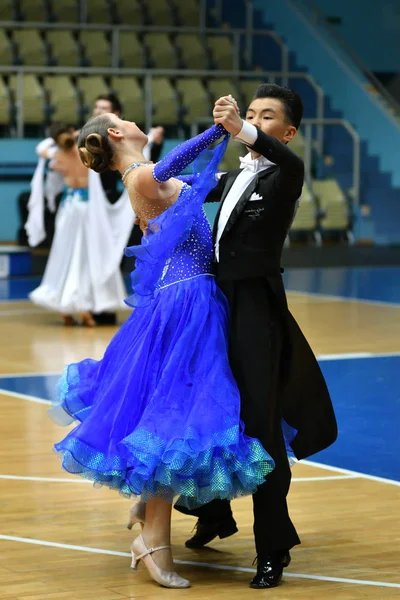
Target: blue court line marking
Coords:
[[24, 396], [334, 298], [366, 398], [320, 357], [377, 285]]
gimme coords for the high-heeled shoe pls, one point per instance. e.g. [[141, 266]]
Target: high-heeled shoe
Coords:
[[137, 514], [168, 579]]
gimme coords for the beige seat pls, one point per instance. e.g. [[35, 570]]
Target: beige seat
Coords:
[[129, 13], [162, 51], [164, 102], [63, 99], [160, 12], [97, 48], [247, 88], [131, 51], [131, 95], [334, 205], [6, 54], [33, 99], [188, 13], [91, 87], [64, 48], [98, 11], [31, 48], [66, 11], [306, 218], [32, 10], [192, 50], [5, 104], [195, 100], [7, 10], [222, 51], [222, 87]]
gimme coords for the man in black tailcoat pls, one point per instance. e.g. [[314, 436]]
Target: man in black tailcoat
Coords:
[[279, 379]]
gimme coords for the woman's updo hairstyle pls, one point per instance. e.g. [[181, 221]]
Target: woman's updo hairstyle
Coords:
[[95, 149]]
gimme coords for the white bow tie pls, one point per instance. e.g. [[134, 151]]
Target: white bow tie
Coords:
[[255, 165]]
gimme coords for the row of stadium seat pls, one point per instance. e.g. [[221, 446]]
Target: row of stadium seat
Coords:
[[33, 47], [60, 97], [128, 12], [324, 212], [185, 99]]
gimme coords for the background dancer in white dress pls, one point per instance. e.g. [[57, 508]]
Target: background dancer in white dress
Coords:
[[82, 273]]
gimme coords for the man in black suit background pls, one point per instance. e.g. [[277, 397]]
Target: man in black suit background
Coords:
[[277, 374]]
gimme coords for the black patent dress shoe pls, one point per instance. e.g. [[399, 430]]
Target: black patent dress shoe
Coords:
[[269, 570], [206, 532], [105, 318]]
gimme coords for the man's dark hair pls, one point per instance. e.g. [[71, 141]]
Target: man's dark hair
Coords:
[[290, 100], [58, 127], [62, 135], [116, 106]]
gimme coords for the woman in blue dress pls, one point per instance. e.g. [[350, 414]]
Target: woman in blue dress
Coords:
[[159, 415]]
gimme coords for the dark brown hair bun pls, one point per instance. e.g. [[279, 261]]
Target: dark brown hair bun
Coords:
[[95, 149]]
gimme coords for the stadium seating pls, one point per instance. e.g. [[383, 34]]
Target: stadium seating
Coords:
[[64, 48], [96, 48], [63, 99], [130, 93], [33, 98], [306, 219], [31, 48], [194, 99]]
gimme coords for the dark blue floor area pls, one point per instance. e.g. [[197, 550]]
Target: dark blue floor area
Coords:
[[40, 386], [366, 396], [380, 284]]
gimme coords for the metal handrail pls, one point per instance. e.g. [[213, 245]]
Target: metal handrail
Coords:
[[137, 28], [147, 74], [320, 19], [115, 31]]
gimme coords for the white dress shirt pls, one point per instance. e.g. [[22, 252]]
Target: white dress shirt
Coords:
[[250, 169]]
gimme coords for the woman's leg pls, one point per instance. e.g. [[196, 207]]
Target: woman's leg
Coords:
[[157, 531]]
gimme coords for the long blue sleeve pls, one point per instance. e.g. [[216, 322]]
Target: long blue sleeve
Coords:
[[180, 157], [186, 178]]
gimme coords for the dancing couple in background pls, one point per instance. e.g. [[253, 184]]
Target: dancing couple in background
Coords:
[[205, 387], [82, 279]]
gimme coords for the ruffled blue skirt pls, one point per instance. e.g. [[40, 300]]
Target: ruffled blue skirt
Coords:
[[160, 413]]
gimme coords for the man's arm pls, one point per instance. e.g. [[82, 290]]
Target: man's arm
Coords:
[[46, 148], [291, 166], [270, 147]]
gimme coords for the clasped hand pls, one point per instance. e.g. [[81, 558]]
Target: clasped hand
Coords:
[[226, 113]]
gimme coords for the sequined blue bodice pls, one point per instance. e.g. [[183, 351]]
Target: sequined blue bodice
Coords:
[[178, 243], [194, 256]]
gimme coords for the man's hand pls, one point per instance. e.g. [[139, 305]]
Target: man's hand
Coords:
[[226, 113]]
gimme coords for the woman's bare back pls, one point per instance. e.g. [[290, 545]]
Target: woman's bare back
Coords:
[[147, 208], [70, 166]]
